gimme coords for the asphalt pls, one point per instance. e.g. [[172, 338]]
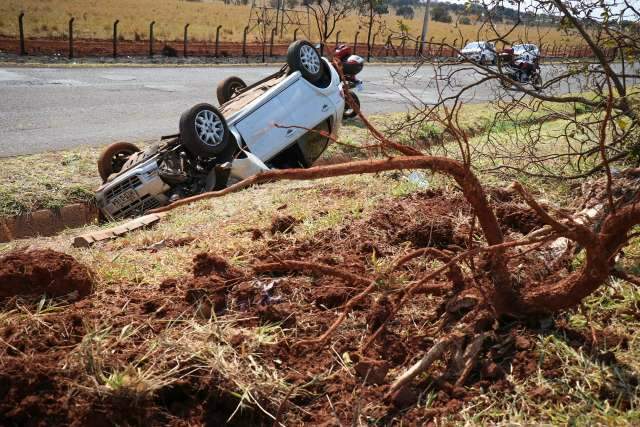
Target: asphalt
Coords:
[[44, 109]]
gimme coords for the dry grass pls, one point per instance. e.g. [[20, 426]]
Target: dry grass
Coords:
[[94, 19], [586, 390], [72, 174]]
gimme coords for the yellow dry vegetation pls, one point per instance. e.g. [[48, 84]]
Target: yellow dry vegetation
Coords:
[[94, 19]]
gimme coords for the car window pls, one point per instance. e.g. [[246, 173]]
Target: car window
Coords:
[[472, 45]]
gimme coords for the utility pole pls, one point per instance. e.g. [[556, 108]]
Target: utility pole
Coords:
[[425, 26]]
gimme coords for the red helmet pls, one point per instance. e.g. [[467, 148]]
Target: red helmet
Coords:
[[342, 51]]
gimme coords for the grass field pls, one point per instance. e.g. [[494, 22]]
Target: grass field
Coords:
[[94, 19]]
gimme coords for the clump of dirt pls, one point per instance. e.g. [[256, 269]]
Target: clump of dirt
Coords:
[[426, 219], [518, 217], [284, 224], [209, 292], [205, 264], [436, 232], [332, 297], [277, 313], [379, 312], [43, 271], [372, 371]]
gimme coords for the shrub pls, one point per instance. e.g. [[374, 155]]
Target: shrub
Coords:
[[406, 12]]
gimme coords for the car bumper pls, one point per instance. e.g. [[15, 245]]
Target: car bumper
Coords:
[[133, 193]]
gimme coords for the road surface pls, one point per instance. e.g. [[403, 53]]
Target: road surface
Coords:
[[45, 109]]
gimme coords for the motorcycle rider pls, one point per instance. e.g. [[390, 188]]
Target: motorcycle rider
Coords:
[[526, 63]]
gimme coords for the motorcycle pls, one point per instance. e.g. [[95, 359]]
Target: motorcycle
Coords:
[[525, 72], [351, 66]]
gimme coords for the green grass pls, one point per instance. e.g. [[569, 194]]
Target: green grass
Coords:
[[47, 180]]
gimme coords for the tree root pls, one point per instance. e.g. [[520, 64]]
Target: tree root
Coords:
[[309, 266], [434, 353]]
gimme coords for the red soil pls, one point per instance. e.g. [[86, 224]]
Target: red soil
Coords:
[[331, 381], [44, 271]]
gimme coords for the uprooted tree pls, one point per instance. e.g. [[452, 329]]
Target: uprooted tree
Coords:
[[485, 283]]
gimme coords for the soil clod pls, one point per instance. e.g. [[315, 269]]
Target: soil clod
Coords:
[[43, 271], [284, 224]]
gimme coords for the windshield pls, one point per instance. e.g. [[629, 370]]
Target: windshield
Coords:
[[472, 45]]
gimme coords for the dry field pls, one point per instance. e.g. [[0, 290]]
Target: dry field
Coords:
[[94, 19]]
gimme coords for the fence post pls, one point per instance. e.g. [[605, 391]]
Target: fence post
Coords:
[[71, 37], [338, 38], [184, 40], [273, 30], [431, 46], [218, 41], [244, 41], [417, 48], [295, 34], [151, 38], [115, 38], [355, 42], [21, 27], [441, 51], [370, 47], [453, 48], [387, 44], [404, 42]]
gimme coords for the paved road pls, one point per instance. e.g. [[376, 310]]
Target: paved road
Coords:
[[44, 109]]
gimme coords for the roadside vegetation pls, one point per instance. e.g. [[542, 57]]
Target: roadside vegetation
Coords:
[[72, 174]]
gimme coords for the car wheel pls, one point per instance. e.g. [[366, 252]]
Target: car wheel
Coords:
[[204, 131], [114, 157], [302, 56], [229, 88], [348, 111], [483, 60]]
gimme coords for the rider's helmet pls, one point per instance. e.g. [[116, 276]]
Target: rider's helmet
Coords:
[[342, 51]]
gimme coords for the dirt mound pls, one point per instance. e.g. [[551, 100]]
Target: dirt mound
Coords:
[[43, 271], [205, 264], [283, 224], [518, 217]]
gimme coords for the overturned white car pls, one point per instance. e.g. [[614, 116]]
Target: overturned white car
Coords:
[[273, 123]]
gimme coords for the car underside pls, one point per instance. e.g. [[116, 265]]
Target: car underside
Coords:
[[283, 121]]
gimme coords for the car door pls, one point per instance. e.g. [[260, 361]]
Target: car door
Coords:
[[283, 119]]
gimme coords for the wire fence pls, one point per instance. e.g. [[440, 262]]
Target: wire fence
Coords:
[[74, 45]]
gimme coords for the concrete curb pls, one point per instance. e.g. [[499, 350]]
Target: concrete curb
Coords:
[[47, 222]]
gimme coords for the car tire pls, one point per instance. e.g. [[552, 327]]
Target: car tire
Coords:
[[228, 88], [483, 60], [302, 56], [114, 157], [204, 131], [349, 112]]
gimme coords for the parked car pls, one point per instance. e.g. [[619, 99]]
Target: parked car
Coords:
[[273, 123], [480, 52], [526, 52]]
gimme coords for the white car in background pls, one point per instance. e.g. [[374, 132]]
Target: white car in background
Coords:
[[480, 52], [526, 52], [274, 123]]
